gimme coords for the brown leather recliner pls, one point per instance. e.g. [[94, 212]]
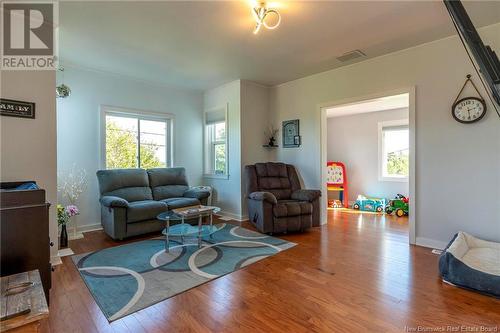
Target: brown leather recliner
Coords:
[[276, 202]]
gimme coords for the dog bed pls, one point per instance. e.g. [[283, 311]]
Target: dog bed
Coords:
[[472, 263]]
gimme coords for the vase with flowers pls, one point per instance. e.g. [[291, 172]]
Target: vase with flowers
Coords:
[[271, 134], [71, 184], [64, 214]]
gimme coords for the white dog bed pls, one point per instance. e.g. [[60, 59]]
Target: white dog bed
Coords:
[[472, 263]]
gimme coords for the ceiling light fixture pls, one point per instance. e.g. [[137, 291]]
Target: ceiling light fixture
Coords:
[[261, 12]]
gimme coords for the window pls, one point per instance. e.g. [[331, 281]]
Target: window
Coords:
[[133, 140], [215, 143], [394, 150]]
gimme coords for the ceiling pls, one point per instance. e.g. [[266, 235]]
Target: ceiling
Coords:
[[371, 105], [202, 44]]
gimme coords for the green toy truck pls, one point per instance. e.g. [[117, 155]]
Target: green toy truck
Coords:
[[399, 205]]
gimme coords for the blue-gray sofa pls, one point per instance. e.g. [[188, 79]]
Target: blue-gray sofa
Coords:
[[131, 199]]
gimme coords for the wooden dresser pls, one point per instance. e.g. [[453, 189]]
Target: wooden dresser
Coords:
[[20, 292]]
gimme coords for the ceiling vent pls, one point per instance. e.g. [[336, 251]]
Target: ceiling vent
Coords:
[[351, 55]]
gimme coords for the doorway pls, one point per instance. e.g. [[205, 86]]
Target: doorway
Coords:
[[373, 138]]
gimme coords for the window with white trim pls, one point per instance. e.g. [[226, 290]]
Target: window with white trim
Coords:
[[394, 150], [136, 140], [215, 143]]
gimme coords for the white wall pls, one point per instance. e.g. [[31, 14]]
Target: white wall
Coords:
[[29, 145], [248, 118], [353, 140], [457, 165], [78, 126], [227, 192], [255, 119]]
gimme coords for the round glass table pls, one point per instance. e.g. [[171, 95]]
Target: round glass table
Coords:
[[182, 229]]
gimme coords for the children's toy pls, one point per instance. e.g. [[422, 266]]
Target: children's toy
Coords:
[[399, 205], [369, 204], [337, 181], [335, 203]]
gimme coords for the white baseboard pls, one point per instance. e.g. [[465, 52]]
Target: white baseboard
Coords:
[[232, 216], [87, 228], [72, 236], [81, 229], [430, 243], [65, 252], [55, 260]]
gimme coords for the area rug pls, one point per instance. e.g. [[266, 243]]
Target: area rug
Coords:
[[127, 278]]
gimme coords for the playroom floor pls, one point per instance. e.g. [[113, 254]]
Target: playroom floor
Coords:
[[355, 274]]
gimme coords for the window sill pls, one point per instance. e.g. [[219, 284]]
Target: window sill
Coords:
[[212, 176], [393, 179]]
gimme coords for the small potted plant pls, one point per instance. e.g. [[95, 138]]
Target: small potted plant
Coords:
[[64, 214]]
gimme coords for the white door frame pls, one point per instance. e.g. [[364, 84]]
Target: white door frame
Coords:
[[323, 147]]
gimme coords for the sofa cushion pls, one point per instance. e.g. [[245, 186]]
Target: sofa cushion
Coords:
[[132, 193], [144, 210], [169, 191], [286, 208], [168, 182], [129, 184], [174, 203]]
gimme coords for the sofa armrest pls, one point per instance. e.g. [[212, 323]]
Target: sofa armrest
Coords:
[[306, 195], [263, 196], [196, 193], [112, 201]]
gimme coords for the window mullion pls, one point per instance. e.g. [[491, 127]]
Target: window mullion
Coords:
[[214, 160], [168, 163], [138, 138]]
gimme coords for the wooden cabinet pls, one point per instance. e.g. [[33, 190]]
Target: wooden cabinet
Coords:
[[25, 243]]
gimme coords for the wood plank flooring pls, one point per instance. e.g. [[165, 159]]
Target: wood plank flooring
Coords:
[[355, 274]]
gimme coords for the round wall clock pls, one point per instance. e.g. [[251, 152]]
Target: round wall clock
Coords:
[[468, 110]]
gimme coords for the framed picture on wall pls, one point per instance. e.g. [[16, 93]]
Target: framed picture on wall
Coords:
[[291, 134]]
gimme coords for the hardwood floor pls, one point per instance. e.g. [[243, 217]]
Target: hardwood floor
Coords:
[[355, 274]]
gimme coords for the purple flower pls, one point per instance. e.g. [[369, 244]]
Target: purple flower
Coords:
[[72, 210]]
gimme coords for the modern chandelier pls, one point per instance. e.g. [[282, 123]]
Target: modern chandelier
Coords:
[[262, 14]]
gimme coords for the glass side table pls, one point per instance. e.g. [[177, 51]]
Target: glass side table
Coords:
[[205, 226]]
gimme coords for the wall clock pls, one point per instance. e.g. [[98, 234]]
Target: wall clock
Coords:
[[468, 109]]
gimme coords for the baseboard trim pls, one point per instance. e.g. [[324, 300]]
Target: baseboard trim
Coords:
[[237, 217], [55, 260], [430, 243], [87, 228]]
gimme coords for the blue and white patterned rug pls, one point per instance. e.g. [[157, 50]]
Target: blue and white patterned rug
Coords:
[[127, 278]]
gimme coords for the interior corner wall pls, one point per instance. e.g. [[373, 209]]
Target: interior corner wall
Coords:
[[227, 192], [248, 118], [255, 120], [28, 146], [457, 165], [78, 126], [353, 140]]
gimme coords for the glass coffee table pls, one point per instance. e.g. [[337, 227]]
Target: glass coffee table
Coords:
[[182, 229]]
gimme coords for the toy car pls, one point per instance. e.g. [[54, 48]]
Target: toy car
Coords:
[[369, 204], [399, 205]]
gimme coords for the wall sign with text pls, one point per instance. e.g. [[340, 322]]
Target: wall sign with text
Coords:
[[12, 108]]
